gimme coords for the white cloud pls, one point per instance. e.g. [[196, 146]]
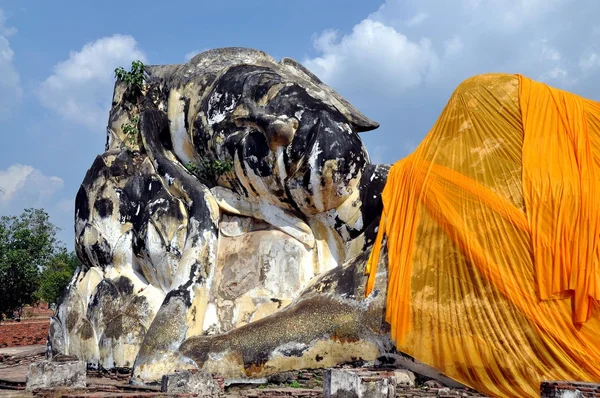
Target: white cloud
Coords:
[[411, 43], [66, 206], [417, 19], [453, 46], [5, 30], [589, 60], [557, 73], [10, 88], [81, 86], [550, 53], [373, 55], [24, 186]]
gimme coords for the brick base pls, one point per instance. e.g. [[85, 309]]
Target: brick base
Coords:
[[571, 389], [15, 334]]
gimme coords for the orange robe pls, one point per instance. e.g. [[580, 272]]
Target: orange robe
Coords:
[[492, 226]]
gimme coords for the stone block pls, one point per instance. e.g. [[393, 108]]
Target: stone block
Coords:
[[404, 378], [433, 384], [447, 392], [568, 389], [348, 383], [245, 381], [46, 375], [199, 383]]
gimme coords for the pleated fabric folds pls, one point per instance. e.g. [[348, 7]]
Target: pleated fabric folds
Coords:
[[492, 229]]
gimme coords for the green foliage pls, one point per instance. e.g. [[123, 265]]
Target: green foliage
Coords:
[[134, 77], [57, 275], [131, 130], [295, 384], [27, 245], [33, 264], [209, 170]]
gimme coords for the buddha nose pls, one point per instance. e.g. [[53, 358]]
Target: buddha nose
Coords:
[[279, 130]]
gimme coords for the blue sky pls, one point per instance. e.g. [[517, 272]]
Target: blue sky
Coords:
[[396, 60]]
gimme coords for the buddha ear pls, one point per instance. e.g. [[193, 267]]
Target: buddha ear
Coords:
[[329, 96]]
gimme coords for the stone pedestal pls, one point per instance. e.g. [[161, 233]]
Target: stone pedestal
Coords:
[[358, 383], [200, 383], [569, 389], [404, 378], [46, 375]]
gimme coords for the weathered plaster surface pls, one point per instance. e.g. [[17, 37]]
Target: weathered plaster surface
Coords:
[[256, 270]]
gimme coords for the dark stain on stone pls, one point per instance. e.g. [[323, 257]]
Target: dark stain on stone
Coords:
[[96, 173], [101, 251], [370, 188], [82, 204], [106, 304], [72, 319], [256, 363], [134, 198], [56, 340], [294, 352], [341, 393], [344, 335], [121, 165], [138, 308], [253, 369], [255, 153], [201, 135], [318, 358], [344, 280], [114, 329], [386, 360], [257, 340], [186, 112], [165, 139], [104, 207], [180, 293], [124, 285], [86, 331], [276, 300]]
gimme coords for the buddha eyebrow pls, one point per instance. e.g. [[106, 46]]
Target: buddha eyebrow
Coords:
[[253, 82]]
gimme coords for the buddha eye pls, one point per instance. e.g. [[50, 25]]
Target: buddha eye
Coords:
[[279, 130]]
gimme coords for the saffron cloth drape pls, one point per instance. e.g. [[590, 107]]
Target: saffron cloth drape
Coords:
[[492, 228]]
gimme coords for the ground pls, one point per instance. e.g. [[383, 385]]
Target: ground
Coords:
[[24, 342], [304, 384]]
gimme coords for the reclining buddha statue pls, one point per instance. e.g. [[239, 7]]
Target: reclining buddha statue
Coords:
[[235, 224]]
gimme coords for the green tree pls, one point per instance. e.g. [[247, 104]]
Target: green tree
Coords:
[[27, 244], [57, 274]]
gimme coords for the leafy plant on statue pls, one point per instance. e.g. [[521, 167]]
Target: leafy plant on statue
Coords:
[[134, 78], [131, 130], [209, 170]]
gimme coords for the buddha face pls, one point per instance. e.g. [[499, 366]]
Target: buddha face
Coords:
[[284, 143]]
